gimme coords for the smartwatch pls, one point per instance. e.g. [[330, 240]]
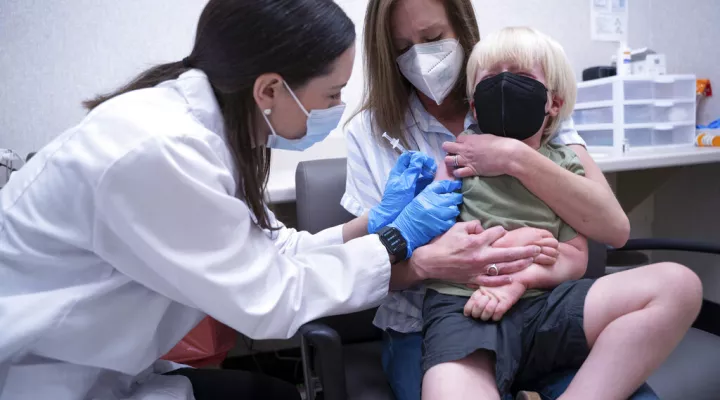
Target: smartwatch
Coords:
[[394, 242]]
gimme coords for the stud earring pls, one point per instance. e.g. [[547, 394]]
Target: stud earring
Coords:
[[267, 111]]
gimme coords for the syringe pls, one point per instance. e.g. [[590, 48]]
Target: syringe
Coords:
[[395, 143]]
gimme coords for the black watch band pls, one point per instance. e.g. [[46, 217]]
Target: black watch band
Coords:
[[394, 242]]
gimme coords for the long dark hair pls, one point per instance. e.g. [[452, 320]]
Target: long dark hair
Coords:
[[239, 40]]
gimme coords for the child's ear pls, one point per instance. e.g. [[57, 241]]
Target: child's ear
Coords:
[[556, 104], [472, 108]]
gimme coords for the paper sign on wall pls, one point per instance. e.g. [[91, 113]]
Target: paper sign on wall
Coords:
[[608, 20]]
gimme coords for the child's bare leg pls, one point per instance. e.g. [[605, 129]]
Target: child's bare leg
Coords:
[[633, 320], [473, 377]]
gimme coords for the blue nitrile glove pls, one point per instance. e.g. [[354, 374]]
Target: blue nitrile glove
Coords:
[[713, 125], [430, 214], [410, 175]]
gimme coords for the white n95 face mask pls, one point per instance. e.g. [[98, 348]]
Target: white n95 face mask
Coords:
[[319, 125], [433, 68]]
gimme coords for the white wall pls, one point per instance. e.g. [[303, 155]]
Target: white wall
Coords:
[[687, 31], [55, 53]]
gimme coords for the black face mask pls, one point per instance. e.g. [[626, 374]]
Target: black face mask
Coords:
[[510, 105]]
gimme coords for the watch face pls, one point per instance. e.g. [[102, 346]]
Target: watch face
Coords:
[[394, 242]]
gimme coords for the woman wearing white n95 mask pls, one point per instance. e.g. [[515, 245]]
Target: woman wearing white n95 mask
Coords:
[[120, 235]]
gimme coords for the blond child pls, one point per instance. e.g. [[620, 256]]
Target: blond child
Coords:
[[521, 85]]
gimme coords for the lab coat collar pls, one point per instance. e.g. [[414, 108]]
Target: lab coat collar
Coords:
[[195, 87]]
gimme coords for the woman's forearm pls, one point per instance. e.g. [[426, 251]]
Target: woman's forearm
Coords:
[[356, 228], [403, 276], [585, 203], [571, 264]]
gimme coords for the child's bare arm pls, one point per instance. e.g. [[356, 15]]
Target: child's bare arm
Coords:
[[492, 303], [571, 264], [444, 172]]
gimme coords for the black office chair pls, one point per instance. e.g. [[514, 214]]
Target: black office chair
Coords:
[[343, 352]]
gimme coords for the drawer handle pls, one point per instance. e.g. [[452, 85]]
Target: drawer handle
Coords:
[[664, 103]]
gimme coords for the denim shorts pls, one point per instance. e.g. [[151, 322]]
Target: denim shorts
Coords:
[[402, 355], [538, 336]]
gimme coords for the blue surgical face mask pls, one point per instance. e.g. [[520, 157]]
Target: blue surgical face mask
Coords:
[[319, 125]]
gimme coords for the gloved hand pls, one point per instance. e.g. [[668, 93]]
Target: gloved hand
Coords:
[[410, 175], [430, 214]]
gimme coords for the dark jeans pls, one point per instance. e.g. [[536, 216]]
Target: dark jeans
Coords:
[[223, 384], [402, 355]]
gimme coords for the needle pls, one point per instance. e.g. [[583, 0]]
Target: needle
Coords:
[[395, 143]]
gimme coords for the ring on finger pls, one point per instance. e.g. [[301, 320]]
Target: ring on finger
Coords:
[[493, 270], [455, 161]]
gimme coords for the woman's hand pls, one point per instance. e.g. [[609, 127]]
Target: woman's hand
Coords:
[[465, 254], [430, 214], [529, 236], [410, 175], [480, 155]]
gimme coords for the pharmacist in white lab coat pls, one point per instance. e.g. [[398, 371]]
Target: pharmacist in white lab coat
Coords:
[[120, 235]]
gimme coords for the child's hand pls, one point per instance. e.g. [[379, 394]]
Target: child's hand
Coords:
[[487, 303], [528, 236]]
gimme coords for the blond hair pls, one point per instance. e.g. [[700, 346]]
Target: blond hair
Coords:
[[527, 47], [387, 92]]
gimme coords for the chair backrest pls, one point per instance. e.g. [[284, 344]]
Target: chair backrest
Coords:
[[320, 185], [597, 258]]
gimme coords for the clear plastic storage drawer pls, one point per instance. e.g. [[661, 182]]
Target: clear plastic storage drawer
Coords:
[[673, 112], [664, 135], [601, 92], [659, 111], [602, 115], [640, 137], [638, 90], [668, 88], [600, 138]]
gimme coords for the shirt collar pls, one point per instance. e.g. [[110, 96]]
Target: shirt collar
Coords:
[[469, 120], [422, 120], [195, 87]]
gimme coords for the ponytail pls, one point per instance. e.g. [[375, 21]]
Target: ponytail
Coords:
[[150, 78]]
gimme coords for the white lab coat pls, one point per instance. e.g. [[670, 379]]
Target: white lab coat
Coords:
[[120, 235]]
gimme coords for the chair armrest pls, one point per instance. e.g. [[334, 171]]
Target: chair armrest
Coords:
[[670, 244], [328, 359]]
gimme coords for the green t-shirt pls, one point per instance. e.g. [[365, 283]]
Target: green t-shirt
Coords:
[[503, 200]]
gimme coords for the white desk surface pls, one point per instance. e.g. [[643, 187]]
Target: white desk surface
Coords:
[[281, 186], [658, 158]]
